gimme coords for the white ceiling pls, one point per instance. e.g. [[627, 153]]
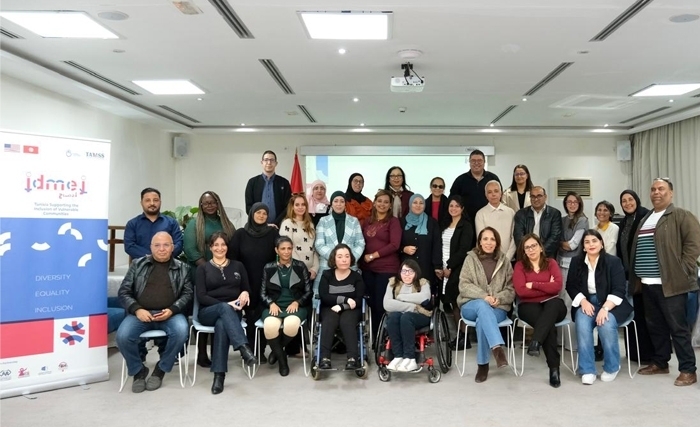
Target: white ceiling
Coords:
[[480, 57]]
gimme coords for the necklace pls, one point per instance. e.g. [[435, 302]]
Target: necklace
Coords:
[[284, 270], [220, 267]]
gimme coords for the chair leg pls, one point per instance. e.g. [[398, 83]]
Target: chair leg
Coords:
[[179, 367], [572, 368], [124, 377], [303, 350], [464, 350], [196, 354], [627, 341], [511, 349], [522, 361]]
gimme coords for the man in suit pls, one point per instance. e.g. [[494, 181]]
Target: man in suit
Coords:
[[541, 219], [269, 188]]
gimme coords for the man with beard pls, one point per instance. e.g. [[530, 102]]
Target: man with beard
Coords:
[[141, 229]]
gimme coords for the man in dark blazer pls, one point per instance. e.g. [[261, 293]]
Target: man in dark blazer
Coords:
[[269, 188], [541, 219]]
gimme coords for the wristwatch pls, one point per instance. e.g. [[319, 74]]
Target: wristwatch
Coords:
[[606, 309]]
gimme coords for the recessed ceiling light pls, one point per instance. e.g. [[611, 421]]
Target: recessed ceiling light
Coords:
[[670, 100], [686, 17], [492, 125], [356, 100], [524, 99], [605, 125], [60, 24], [242, 124], [360, 130], [490, 130], [602, 130], [347, 25], [667, 90], [362, 124], [342, 51], [246, 130], [169, 87], [199, 99]]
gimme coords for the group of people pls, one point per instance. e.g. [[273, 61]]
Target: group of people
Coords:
[[479, 252]]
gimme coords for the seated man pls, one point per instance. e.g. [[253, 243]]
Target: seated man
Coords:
[[155, 290]]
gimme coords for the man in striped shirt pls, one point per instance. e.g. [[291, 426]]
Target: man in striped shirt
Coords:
[[663, 258]]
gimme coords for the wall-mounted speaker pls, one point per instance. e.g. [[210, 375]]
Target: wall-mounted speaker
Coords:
[[181, 147], [624, 151]]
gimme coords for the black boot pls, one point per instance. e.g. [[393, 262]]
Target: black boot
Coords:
[[218, 385], [202, 357], [247, 355], [278, 351], [533, 349], [554, 379]]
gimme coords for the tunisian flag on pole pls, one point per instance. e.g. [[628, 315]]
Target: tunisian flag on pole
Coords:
[[296, 182]]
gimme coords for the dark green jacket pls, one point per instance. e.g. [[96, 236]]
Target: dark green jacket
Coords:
[[136, 278]]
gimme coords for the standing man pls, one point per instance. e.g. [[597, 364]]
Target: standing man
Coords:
[[541, 219], [154, 293], [499, 216], [269, 188], [140, 230], [662, 263], [471, 185]]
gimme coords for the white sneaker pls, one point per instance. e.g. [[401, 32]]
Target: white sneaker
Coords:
[[408, 365], [588, 379], [607, 377], [395, 363]]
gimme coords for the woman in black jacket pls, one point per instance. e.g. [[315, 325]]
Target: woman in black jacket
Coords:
[[457, 236], [436, 204], [634, 212], [286, 292], [421, 242]]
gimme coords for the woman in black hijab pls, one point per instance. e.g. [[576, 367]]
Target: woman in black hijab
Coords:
[[254, 246], [356, 204]]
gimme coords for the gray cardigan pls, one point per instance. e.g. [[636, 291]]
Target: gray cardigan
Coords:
[[567, 233]]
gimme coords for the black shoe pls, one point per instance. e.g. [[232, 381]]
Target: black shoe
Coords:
[[352, 363], [139, 384], [458, 343], [218, 385], [272, 359], [203, 361], [598, 354], [283, 366], [247, 355], [325, 364], [533, 349], [554, 379]]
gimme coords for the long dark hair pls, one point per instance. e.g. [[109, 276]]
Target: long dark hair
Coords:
[[528, 183], [447, 220], [579, 212], [479, 252], [387, 180], [373, 216], [226, 224], [413, 265], [522, 256]]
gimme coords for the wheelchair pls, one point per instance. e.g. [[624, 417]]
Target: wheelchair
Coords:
[[364, 335], [437, 335]]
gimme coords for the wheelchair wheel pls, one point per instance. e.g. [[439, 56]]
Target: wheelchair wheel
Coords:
[[315, 373], [442, 341], [384, 374], [434, 375], [380, 345], [362, 373]]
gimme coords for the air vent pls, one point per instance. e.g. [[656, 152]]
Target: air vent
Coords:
[[551, 76], [10, 34], [503, 114], [100, 77], [582, 186], [177, 113], [307, 113], [231, 18], [644, 115], [276, 75], [621, 20]]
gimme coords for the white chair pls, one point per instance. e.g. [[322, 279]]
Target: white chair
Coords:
[[510, 349], [201, 329], [625, 325], [258, 352], [156, 333]]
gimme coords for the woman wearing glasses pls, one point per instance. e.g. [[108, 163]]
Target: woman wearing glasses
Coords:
[[537, 282], [254, 246], [395, 183], [356, 204], [211, 218], [222, 292], [437, 203], [518, 195]]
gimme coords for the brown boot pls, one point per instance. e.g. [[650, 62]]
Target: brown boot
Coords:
[[653, 370], [482, 372], [686, 378], [500, 356]]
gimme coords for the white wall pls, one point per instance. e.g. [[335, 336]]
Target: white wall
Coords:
[[140, 153], [224, 163]]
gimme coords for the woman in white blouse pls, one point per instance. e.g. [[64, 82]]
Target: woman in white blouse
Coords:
[[604, 212]]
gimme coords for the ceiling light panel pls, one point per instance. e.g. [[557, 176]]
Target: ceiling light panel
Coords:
[[60, 24], [667, 90], [169, 87], [347, 25]]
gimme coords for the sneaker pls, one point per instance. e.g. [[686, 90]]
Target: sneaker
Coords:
[[607, 376], [156, 379], [139, 384], [352, 363], [408, 365], [325, 363], [588, 379], [394, 363]]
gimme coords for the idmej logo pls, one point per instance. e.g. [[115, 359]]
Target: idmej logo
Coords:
[[95, 155], [44, 183]]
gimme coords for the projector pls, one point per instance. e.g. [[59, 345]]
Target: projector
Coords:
[[407, 84]]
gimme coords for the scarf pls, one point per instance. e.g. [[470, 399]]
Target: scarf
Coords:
[[419, 221], [339, 217], [252, 227], [317, 206], [351, 194]]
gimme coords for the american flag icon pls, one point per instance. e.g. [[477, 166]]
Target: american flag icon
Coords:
[[11, 148]]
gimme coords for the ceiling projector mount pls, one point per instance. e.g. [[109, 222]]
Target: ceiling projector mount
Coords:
[[410, 82]]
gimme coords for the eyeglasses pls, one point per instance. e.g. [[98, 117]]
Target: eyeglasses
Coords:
[[269, 160], [395, 176], [572, 202], [162, 245], [531, 247], [476, 161], [407, 271], [441, 187], [358, 181], [210, 203], [536, 196], [520, 174]]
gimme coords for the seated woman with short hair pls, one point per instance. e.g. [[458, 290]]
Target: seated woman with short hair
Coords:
[[286, 291], [404, 301]]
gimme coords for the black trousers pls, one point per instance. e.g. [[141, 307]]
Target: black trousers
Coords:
[[646, 348], [375, 288], [347, 320], [542, 317], [666, 318]]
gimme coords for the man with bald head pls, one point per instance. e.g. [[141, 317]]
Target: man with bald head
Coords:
[[541, 219], [154, 292], [497, 215]]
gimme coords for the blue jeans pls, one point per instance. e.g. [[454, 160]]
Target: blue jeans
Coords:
[[115, 314], [402, 329], [487, 319], [227, 331], [607, 335], [176, 328]]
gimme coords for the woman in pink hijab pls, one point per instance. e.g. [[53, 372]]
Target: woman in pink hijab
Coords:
[[319, 205]]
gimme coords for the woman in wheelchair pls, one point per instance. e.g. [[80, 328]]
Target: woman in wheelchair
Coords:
[[340, 290], [404, 302], [286, 292], [485, 296]]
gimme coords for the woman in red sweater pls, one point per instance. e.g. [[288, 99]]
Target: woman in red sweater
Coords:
[[537, 282]]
